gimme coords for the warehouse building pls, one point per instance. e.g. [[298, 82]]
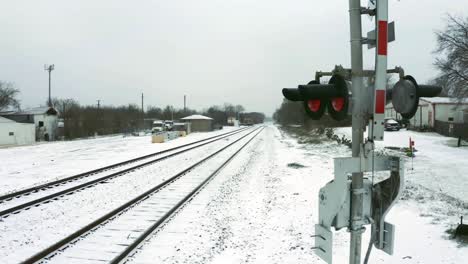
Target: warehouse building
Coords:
[[446, 116], [45, 120], [199, 123], [14, 133], [432, 110]]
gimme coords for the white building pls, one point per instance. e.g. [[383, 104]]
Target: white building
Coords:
[[431, 109], [199, 123], [14, 133], [45, 120], [232, 121]]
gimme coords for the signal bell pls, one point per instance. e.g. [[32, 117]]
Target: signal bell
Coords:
[[317, 97]]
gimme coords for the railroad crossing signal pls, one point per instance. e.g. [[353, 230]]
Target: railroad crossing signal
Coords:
[[357, 202], [333, 97]]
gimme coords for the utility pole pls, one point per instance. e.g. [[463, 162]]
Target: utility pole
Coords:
[[98, 113], [172, 113], [142, 112], [49, 68], [185, 106], [358, 124], [98, 107]]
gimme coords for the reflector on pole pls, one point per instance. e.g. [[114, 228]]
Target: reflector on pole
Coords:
[[378, 120]]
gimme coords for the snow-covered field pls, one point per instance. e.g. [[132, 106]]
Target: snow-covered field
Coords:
[[262, 206]]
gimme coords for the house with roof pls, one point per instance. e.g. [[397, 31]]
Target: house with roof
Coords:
[[44, 119]]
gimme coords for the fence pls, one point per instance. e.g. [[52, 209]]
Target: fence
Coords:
[[450, 129]]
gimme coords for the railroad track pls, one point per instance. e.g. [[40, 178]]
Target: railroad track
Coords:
[[12, 204], [135, 221]]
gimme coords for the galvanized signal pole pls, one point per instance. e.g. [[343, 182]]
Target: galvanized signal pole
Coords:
[[359, 117]]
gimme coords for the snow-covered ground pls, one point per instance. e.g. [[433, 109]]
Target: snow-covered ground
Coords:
[[22, 167], [23, 234], [262, 206], [439, 165]]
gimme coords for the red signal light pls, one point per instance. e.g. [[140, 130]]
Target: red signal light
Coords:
[[338, 103], [314, 105]]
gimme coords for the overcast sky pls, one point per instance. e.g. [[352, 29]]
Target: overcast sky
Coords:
[[214, 51]]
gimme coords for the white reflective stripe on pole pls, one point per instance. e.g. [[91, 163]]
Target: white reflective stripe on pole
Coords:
[[380, 69]]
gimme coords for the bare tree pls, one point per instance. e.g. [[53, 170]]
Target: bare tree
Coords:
[[239, 109], [8, 96], [65, 106], [229, 109], [290, 113], [452, 62]]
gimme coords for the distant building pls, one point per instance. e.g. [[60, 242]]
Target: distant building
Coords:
[[251, 118], [232, 121], [434, 109], [446, 116], [45, 120], [14, 133], [199, 123]]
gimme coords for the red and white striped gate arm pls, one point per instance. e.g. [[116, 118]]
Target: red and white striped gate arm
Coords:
[[380, 69]]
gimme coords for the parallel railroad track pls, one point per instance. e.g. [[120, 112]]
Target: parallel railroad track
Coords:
[[141, 162], [135, 221]]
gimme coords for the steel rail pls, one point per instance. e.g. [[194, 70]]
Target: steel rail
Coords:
[[51, 250], [123, 255], [48, 185], [88, 184]]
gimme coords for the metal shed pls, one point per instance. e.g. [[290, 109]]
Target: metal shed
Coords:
[[199, 123]]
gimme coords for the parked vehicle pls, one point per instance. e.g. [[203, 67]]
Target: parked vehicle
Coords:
[[158, 126], [391, 125], [168, 124]]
